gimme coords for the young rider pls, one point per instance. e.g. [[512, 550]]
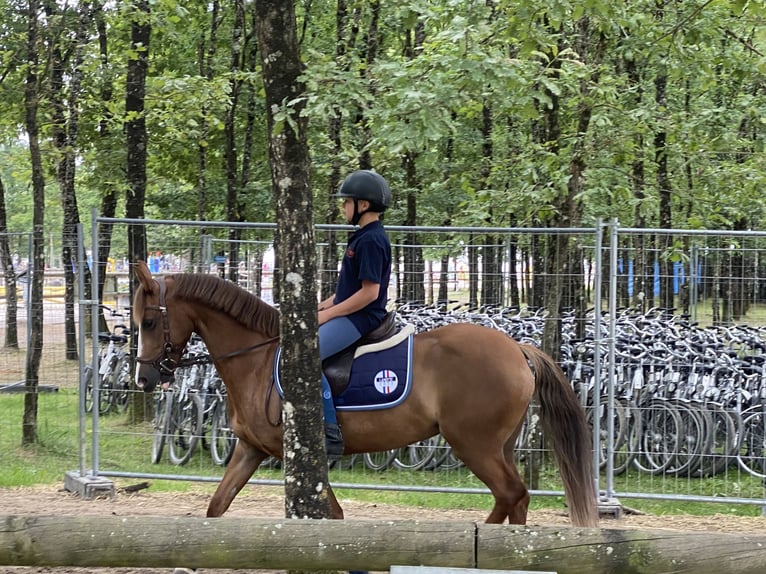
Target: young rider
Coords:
[[359, 303]]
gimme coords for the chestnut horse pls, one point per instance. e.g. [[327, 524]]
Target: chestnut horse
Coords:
[[470, 383]]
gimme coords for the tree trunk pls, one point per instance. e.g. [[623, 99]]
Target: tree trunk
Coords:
[[65, 132], [513, 275], [328, 256], [473, 271], [365, 160], [306, 470], [443, 293], [137, 142], [413, 253], [206, 54], [109, 191], [6, 261], [664, 188], [414, 267], [230, 148], [36, 270]]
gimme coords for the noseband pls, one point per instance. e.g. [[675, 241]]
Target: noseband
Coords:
[[164, 362]]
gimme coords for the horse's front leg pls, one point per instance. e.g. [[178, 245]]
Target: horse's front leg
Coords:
[[244, 460], [335, 510]]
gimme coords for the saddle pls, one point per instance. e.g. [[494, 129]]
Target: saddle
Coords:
[[337, 368]]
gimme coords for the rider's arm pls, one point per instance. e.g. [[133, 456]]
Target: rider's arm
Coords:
[[327, 303], [359, 300]]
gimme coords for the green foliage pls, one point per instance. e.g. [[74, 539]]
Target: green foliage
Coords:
[[561, 82]]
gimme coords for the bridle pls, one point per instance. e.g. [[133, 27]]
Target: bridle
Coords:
[[164, 363]]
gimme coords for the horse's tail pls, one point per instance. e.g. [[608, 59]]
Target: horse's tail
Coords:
[[564, 422]]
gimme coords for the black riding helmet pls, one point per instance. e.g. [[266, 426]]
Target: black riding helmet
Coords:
[[368, 185]]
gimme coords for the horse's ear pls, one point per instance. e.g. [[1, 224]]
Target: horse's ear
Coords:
[[144, 276]]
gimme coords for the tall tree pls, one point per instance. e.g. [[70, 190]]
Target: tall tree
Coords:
[[66, 62], [231, 154], [137, 140], [414, 267], [6, 261], [32, 96], [108, 188], [306, 471]]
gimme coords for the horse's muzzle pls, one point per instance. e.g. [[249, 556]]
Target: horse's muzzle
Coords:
[[148, 377]]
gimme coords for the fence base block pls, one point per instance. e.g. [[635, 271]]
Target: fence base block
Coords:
[[610, 507], [88, 487]]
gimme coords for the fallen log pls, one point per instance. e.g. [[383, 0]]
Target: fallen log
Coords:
[[156, 542], [251, 543], [588, 551]]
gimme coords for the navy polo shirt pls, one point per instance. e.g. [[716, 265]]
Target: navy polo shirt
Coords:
[[367, 258]]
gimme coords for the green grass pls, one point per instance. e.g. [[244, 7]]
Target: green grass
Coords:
[[125, 447]]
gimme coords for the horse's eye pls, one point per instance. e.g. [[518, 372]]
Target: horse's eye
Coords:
[[148, 324]]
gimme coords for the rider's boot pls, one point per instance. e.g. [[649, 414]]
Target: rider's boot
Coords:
[[332, 434], [333, 440]]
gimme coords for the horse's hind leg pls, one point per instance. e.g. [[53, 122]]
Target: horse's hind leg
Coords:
[[518, 514], [504, 481], [502, 478], [244, 460]]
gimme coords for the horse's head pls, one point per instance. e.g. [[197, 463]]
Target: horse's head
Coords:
[[163, 331]]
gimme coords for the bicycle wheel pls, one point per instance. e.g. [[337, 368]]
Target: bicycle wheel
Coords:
[[693, 441], [120, 385], [222, 438], [659, 439], [162, 406], [619, 432], [444, 458], [417, 455], [87, 375], [626, 451], [185, 427], [752, 445], [106, 387], [723, 440], [380, 460]]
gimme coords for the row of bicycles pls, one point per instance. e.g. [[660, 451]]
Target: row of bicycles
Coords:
[[685, 400], [668, 397], [191, 412], [114, 368]]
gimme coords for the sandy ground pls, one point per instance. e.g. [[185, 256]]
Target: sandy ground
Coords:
[[267, 502]]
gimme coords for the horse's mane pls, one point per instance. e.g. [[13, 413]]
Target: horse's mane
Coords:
[[227, 297]]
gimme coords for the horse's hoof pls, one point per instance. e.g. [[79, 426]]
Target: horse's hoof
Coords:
[[184, 571]]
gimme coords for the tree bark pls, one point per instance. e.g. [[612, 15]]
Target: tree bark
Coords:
[[137, 143], [231, 153], [206, 54], [108, 206], [305, 469], [6, 261], [65, 127], [36, 271]]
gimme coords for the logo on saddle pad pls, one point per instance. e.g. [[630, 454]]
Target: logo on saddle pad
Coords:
[[379, 377]]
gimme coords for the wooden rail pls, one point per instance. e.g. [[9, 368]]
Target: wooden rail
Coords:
[[157, 542]]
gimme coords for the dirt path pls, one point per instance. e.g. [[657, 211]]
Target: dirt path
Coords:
[[267, 502]]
